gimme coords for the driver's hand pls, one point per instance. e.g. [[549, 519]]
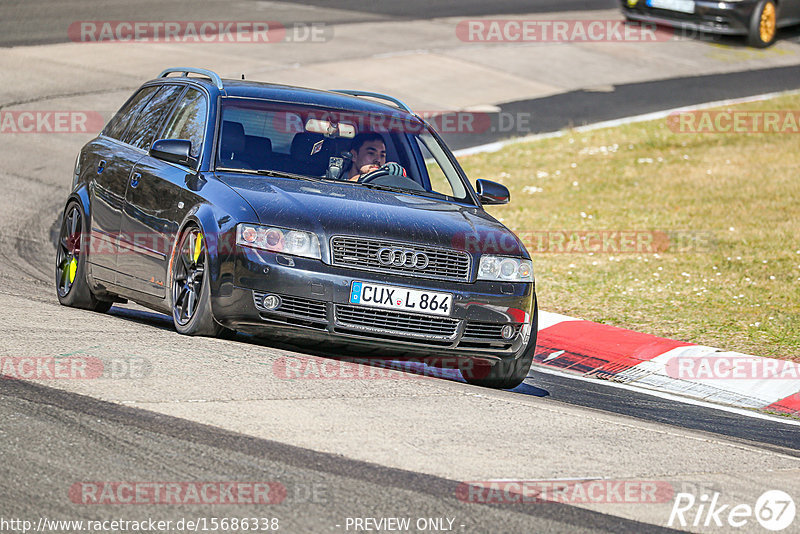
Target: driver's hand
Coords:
[[365, 169], [394, 169], [368, 168]]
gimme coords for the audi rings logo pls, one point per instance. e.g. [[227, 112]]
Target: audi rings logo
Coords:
[[398, 257]]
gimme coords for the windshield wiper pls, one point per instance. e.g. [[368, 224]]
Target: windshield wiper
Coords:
[[417, 192], [283, 174], [388, 188], [230, 169], [270, 172]]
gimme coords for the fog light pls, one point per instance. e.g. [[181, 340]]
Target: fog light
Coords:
[[271, 302], [507, 332]]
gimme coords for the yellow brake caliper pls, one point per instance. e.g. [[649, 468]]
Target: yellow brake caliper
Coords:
[[198, 247], [73, 268]]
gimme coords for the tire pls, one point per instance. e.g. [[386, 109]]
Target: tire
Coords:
[[763, 25], [190, 286], [72, 287], [505, 374]]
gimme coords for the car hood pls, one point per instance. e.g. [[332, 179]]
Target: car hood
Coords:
[[330, 209]]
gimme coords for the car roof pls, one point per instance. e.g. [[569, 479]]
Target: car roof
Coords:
[[292, 94]]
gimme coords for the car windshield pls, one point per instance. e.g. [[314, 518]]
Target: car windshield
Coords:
[[391, 151]]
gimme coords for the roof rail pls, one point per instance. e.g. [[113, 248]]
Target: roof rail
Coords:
[[186, 70], [399, 103]]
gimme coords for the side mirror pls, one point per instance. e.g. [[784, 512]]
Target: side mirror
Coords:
[[174, 151], [492, 192]]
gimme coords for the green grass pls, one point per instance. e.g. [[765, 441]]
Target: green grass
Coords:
[[737, 288]]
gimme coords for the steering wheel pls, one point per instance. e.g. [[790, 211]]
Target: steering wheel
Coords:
[[383, 177], [388, 169], [372, 175]]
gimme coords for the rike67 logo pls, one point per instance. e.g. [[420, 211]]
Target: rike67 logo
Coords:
[[774, 510]]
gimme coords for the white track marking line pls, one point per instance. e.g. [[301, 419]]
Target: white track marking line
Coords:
[[498, 145], [667, 396]]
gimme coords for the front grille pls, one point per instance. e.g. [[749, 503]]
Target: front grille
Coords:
[[301, 308], [392, 322], [362, 253], [487, 331]]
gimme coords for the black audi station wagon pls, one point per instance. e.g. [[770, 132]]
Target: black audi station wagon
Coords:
[[310, 215]]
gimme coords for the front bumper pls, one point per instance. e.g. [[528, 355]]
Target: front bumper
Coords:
[[315, 306], [724, 18]]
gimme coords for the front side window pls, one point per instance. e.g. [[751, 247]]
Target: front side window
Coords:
[[117, 127], [143, 131], [438, 167], [189, 120]]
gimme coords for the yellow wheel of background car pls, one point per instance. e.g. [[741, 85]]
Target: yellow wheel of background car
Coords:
[[763, 25]]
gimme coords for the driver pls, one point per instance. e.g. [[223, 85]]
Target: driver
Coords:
[[369, 154]]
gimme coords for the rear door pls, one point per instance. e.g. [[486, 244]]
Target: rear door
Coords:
[[147, 202], [110, 161]]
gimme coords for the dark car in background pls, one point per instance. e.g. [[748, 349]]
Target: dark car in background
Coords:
[[226, 204], [756, 19]]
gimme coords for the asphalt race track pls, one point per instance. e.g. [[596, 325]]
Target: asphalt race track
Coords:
[[322, 489], [194, 410], [43, 21]]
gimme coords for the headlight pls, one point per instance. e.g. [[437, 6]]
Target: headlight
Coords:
[[293, 242], [506, 269]]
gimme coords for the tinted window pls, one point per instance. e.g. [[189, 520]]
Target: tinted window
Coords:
[[279, 127], [117, 126], [189, 120], [143, 132], [439, 168]]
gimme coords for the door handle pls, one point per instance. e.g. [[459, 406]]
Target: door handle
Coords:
[[135, 179], [101, 166]]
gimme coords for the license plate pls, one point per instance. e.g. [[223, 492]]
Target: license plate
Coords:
[[684, 6], [401, 298]]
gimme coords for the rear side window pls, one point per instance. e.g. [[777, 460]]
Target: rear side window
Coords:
[[279, 127], [148, 123], [189, 120], [119, 124]]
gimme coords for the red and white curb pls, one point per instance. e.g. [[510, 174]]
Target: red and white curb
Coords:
[[599, 351]]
